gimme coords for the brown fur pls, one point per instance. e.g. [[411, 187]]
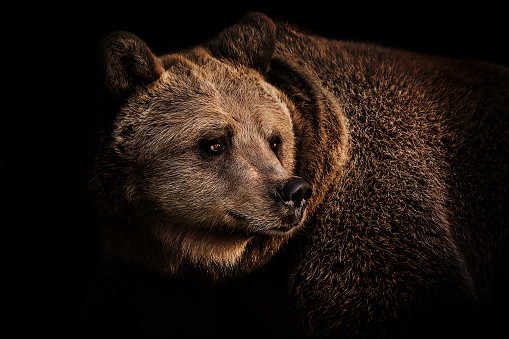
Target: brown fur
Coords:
[[175, 209], [406, 233]]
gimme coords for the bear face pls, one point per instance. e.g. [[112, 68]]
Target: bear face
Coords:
[[198, 168], [232, 140]]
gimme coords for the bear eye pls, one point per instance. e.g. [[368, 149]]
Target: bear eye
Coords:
[[275, 144], [213, 147], [217, 147]]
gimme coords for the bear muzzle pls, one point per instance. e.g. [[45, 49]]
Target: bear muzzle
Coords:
[[294, 195]]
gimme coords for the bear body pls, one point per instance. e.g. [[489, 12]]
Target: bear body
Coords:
[[276, 183]]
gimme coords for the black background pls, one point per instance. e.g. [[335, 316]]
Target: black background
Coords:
[[50, 88]]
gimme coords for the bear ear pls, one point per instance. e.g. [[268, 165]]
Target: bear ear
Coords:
[[251, 42], [127, 62]]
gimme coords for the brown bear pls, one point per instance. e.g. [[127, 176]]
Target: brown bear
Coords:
[[278, 184]]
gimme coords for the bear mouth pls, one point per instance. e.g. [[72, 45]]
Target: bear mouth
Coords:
[[282, 225]]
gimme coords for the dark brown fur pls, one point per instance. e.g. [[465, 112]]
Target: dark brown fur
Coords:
[[406, 233]]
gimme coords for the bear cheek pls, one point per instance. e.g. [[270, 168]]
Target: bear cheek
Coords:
[[185, 194]]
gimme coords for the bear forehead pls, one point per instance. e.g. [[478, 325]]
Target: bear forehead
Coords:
[[206, 78], [201, 117], [210, 99], [213, 95]]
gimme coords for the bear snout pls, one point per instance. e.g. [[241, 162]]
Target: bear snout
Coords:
[[294, 192], [294, 195]]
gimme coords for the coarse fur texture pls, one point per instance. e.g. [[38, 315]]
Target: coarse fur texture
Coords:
[[406, 231]]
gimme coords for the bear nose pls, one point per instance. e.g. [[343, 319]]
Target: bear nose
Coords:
[[295, 191]]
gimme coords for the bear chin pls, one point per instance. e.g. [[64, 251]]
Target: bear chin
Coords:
[[223, 255], [235, 251]]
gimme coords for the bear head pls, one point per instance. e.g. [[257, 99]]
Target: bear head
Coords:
[[196, 170]]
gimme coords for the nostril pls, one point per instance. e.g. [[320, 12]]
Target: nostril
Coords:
[[295, 190]]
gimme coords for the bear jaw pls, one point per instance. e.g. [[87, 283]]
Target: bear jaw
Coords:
[[214, 254], [214, 251]]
